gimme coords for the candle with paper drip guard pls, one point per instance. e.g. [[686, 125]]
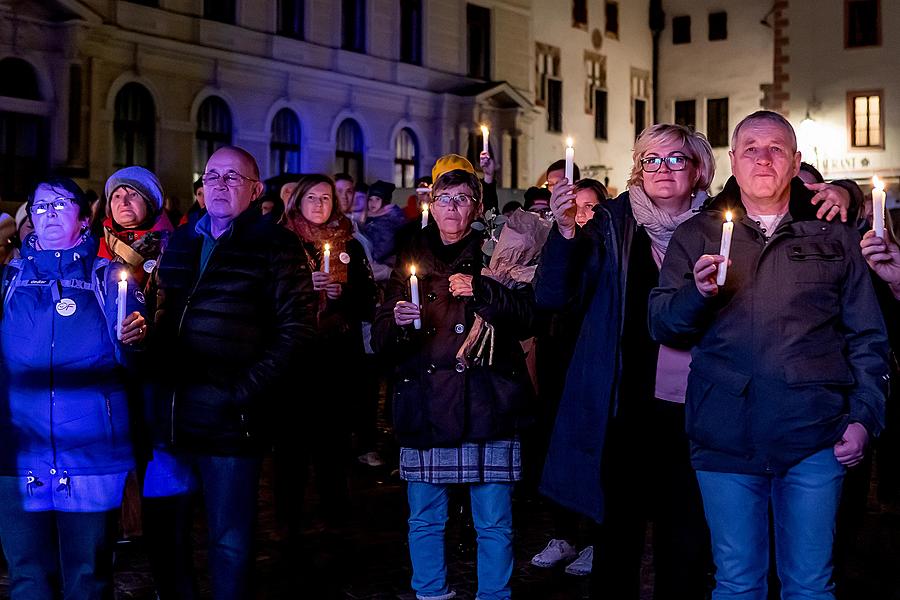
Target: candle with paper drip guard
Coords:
[[121, 300], [414, 293], [424, 215], [485, 136], [878, 206], [326, 259], [725, 249], [570, 161]]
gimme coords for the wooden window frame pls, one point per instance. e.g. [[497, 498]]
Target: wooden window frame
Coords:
[[851, 118]]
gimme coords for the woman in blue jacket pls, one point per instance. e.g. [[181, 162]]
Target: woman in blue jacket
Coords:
[[65, 448]]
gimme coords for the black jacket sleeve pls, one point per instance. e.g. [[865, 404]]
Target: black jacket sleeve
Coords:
[[510, 309], [489, 195]]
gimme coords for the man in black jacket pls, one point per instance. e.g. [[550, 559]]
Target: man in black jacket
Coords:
[[234, 316], [789, 368]]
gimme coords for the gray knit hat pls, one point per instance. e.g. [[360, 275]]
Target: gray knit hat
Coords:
[[145, 182]]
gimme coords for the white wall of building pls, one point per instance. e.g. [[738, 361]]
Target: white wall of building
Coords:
[[822, 72], [733, 68]]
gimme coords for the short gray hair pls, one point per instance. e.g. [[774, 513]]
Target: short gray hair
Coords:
[[765, 116]]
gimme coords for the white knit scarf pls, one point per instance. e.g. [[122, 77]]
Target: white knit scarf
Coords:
[[659, 224]]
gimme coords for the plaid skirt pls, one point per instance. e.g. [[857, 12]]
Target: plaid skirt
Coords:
[[496, 461]]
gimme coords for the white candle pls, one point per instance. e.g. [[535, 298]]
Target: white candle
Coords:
[[570, 161], [485, 135], [121, 300], [424, 215], [878, 206], [414, 293], [725, 248], [326, 259]]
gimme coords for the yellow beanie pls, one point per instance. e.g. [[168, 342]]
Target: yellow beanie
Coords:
[[450, 162]]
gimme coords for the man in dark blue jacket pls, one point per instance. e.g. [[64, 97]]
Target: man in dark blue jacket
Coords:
[[789, 368]]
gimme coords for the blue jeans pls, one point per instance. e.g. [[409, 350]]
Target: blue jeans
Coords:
[[50, 551], [492, 516], [804, 506]]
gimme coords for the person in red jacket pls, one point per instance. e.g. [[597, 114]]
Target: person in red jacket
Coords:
[[136, 228]]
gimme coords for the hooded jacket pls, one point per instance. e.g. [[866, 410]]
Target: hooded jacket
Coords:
[[791, 349]]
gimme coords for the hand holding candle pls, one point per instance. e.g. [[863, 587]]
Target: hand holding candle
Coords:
[[878, 206], [570, 160], [424, 215], [725, 248], [326, 259]]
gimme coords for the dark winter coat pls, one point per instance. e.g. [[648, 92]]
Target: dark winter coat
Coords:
[[227, 336], [790, 351], [439, 401]]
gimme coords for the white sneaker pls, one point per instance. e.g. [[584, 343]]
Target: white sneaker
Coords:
[[583, 564], [557, 551], [371, 459]]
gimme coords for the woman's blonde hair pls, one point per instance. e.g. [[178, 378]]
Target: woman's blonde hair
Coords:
[[695, 145]]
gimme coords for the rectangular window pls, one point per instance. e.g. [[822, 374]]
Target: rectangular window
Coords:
[[866, 116], [640, 99], [686, 113], [601, 129], [579, 14], [546, 66], [640, 116], [862, 23], [478, 27], [291, 18], [612, 19], [681, 30], [595, 65], [411, 31], [717, 122], [718, 26], [353, 25], [219, 10], [554, 105]]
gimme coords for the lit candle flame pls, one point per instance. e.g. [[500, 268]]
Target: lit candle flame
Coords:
[[424, 207], [123, 276], [728, 216], [327, 247], [412, 270], [877, 183], [569, 142], [484, 131]]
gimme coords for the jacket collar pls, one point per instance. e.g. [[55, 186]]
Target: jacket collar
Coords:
[[800, 208]]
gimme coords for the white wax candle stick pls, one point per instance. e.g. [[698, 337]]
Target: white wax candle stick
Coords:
[[485, 135], [570, 161], [725, 249], [326, 259], [414, 293], [121, 301], [878, 206], [424, 215]]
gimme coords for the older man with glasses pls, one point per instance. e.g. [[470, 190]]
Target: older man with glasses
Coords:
[[235, 311]]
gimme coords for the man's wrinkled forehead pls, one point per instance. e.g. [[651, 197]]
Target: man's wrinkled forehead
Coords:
[[764, 131], [225, 160]]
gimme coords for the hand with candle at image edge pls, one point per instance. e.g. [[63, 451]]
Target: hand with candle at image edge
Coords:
[[134, 329], [563, 207], [321, 280], [883, 257], [406, 313], [832, 200], [705, 270]]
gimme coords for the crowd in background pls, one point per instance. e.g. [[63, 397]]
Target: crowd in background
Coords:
[[607, 354]]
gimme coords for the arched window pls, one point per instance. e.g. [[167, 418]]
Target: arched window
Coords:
[[23, 136], [134, 127], [284, 149], [349, 153], [406, 159], [18, 79], [213, 131]]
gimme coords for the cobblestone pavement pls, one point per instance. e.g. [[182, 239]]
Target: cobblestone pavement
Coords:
[[368, 558]]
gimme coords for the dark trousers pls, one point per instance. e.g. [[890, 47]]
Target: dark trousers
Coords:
[[647, 477], [51, 552], [230, 489]]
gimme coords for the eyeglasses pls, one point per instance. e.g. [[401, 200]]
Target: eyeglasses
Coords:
[[676, 162], [232, 179], [58, 204], [444, 200]]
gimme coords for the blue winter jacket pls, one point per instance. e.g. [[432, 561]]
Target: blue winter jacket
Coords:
[[63, 404]]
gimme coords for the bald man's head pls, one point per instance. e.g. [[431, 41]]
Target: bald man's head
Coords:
[[230, 183]]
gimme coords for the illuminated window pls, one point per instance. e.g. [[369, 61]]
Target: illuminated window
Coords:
[[134, 127], [866, 119], [348, 154], [284, 149], [405, 158]]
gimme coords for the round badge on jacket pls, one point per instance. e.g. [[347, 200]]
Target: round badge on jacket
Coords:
[[66, 307], [149, 265], [345, 258]]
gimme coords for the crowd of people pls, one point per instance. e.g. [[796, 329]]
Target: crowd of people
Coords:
[[611, 355]]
